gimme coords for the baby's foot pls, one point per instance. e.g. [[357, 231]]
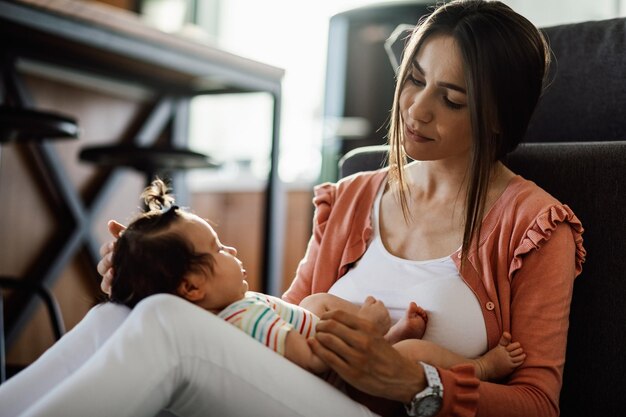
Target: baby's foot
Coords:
[[501, 360], [411, 326]]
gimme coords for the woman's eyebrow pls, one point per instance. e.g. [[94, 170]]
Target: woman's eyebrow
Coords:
[[444, 84]]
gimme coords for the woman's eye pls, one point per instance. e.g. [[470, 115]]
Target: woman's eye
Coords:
[[452, 104], [416, 81]]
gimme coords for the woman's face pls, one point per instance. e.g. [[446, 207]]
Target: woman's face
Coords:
[[434, 103]]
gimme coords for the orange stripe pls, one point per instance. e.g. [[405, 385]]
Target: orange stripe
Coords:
[[303, 323], [276, 341], [234, 314], [269, 332], [308, 332]]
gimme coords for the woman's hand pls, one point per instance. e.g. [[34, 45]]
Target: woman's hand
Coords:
[[353, 348], [375, 311], [106, 251]]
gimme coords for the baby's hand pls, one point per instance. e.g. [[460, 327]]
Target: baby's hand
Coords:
[[375, 311]]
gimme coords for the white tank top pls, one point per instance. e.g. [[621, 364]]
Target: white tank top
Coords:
[[455, 319]]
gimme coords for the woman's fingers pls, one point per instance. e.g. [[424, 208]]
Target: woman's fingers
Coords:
[[106, 248], [115, 228], [107, 279], [328, 356], [352, 340], [353, 330], [343, 339], [347, 347], [349, 321], [105, 262], [336, 355], [106, 252]]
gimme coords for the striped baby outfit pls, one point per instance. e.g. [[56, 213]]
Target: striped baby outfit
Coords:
[[268, 319]]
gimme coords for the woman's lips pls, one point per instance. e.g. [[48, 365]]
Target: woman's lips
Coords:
[[416, 136]]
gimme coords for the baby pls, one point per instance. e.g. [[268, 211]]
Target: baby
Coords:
[[168, 250]]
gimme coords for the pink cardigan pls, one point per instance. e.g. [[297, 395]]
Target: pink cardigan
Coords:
[[529, 252]]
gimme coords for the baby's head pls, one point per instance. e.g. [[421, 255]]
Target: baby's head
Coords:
[[168, 250]]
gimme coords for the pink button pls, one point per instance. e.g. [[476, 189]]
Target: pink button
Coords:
[[490, 306]]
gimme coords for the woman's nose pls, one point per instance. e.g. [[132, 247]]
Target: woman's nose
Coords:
[[420, 107], [231, 250]]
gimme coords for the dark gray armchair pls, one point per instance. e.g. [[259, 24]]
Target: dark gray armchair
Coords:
[[576, 150]]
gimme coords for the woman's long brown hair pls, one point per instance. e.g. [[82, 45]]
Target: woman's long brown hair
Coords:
[[505, 59]]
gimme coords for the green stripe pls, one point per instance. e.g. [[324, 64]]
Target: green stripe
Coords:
[[257, 323], [291, 316]]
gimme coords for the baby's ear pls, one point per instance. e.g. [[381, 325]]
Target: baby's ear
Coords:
[[190, 288]]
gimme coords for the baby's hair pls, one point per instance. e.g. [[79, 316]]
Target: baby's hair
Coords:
[[157, 196], [150, 257]]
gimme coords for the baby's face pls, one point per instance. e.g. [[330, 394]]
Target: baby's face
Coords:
[[227, 283]]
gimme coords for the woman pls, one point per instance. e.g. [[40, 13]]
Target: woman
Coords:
[[470, 79], [481, 249]]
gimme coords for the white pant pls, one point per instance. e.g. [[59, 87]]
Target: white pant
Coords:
[[166, 354]]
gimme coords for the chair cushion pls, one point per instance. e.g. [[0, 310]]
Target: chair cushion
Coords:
[[591, 179], [586, 97], [365, 158]]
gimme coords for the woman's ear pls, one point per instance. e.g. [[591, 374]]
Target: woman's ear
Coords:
[[191, 288]]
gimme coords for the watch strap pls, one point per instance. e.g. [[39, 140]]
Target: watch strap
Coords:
[[434, 389], [432, 376]]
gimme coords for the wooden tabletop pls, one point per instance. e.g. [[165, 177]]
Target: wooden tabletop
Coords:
[[100, 38]]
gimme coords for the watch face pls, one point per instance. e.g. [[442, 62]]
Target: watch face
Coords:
[[429, 406]]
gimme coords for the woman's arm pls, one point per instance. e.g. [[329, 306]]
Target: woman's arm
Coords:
[[302, 284], [541, 294]]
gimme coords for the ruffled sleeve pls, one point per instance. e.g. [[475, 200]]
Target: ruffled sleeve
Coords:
[[341, 227], [460, 396], [302, 286], [541, 230], [324, 197]]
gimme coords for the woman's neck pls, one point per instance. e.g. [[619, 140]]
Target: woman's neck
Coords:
[[437, 180], [434, 181]]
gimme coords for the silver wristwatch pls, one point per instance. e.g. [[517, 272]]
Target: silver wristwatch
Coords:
[[427, 403]]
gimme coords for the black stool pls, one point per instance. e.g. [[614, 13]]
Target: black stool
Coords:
[[151, 161], [23, 125], [18, 124]]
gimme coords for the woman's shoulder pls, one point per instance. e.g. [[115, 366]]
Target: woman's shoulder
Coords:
[[354, 181], [533, 217], [525, 206], [529, 215], [526, 197], [356, 185]]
